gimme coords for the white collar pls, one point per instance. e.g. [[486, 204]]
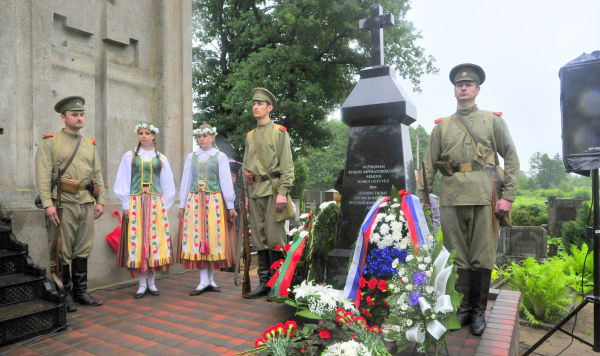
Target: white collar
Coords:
[[213, 151]]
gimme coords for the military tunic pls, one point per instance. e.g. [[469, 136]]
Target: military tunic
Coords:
[[77, 224], [274, 143], [466, 197]]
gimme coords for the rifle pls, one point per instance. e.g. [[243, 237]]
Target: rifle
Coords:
[[55, 264], [425, 186], [246, 232]]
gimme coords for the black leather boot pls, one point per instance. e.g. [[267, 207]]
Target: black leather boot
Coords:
[[463, 285], [65, 272], [275, 256], [264, 273], [480, 288], [79, 270]]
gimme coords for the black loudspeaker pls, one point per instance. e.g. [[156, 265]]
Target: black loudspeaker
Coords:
[[580, 109]]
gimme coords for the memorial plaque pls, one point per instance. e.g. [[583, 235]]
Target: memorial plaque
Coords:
[[379, 152]]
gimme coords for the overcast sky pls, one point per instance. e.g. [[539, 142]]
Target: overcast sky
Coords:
[[521, 45]]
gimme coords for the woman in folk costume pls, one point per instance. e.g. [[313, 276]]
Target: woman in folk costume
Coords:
[[145, 187], [206, 207]]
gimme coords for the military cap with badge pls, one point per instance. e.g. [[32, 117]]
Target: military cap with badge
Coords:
[[467, 72], [262, 94], [70, 103]]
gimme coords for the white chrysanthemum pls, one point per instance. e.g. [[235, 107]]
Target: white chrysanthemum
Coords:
[[429, 289], [384, 204], [427, 259], [390, 217], [422, 267], [409, 258], [384, 229], [428, 273], [403, 245], [433, 316], [395, 205], [326, 204], [404, 307], [405, 279], [409, 287], [395, 263], [409, 322], [419, 259], [347, 348]]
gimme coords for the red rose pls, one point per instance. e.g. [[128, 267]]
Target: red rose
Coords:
[[372, 283], [279, 247], [362, 282], [287, 248], [382, 285], [370, 301], [324, 334]]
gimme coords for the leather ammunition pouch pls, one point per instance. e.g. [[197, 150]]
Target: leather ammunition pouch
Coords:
[[93, 188], [69, 185], [445, 167]]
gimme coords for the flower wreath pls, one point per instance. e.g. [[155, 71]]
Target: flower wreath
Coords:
[[144, 125], [205, 131]]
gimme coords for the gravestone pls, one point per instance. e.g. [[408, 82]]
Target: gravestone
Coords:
[[519, 242], [379, 151], [561, 211], [131, 60]]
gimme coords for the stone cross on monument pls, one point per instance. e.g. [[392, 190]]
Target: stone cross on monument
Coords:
[[379, 151], [375, 23]]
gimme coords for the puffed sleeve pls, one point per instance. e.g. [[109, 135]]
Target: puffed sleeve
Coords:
[[186, 178], [123, 180], [167, 183], [225, 181]]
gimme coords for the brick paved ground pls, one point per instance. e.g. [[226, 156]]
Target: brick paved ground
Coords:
[[218, 323]]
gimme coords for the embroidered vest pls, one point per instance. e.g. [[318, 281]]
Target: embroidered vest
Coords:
[[145, 173], [205, 174]]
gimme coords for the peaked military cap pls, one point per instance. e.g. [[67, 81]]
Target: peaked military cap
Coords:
[[262, 94], [467, 72], [71, 103]]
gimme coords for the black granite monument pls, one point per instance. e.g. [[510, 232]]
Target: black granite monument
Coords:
[[379, 152]]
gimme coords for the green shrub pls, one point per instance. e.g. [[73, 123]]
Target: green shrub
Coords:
[[582, 193], [529, 215], [544, 289], [575, 232]]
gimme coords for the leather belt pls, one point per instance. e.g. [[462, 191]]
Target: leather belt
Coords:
[[467, 167], [264, 178]]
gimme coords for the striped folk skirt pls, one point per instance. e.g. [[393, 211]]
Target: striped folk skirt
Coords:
[[148, 243], [207, 236]]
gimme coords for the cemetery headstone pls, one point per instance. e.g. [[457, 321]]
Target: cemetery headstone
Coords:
[[379, 151], [519, 242], [561, 211]]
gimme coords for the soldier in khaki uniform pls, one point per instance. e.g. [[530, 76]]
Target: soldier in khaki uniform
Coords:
[[271, 144], [467, 214], [80, 208]]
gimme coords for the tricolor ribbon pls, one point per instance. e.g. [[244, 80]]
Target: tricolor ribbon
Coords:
[[351, 289]]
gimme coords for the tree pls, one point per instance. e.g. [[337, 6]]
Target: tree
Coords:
[[419, 140], [324, 164], [307, 52], [547, 172]]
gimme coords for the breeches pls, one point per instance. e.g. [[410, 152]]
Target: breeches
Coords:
[[469, 230], [266, 232], [77, 231]]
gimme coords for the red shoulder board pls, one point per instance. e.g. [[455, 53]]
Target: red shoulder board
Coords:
[[46, 135], [498, 113], [437, 121], [93, 141], [282, 128], [248, 133]]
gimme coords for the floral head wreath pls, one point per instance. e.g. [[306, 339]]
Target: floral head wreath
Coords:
[[144, 125], [205, 131]]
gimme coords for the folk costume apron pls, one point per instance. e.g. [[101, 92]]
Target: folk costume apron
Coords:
[[206, 241], [148, 239]]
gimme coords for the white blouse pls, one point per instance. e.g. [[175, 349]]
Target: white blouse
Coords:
[[224, 177], [123, 181]]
